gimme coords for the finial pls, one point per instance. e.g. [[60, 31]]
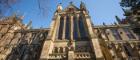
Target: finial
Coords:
[[118, 19], [29, 25], [115, 23], [82, 5], [71, 2], [60, 3], [21, 17], [104, 23], [81, 2], [59, 7]]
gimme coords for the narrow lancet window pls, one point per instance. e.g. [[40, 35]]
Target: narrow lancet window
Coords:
[[116, 34], [82, 28], [129, 33], [60, 34], [67, 32], [75, 29]]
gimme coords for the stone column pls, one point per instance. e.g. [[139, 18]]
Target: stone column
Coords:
[[46, 50], [71, 55], [51, 28], [64, 28], [58, 49], [94, 40], [64, 50], [57, 27], [77, 22], [48, 44], [71, 27]]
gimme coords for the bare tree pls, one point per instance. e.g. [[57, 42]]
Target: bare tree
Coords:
[[44, 6], [5, 5]]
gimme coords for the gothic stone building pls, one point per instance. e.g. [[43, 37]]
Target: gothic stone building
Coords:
[[71, 36]]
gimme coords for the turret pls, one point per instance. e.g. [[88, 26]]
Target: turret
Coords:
[[29, 25], [104, 24], [82, 6], [59, 8]]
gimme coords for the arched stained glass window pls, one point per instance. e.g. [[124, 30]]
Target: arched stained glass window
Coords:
[[67, 32], [82, 28], [129, 33], [75, 28], [60, 34], [116, 34]]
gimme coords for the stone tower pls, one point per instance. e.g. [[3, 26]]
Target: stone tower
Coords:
[[71, 36]]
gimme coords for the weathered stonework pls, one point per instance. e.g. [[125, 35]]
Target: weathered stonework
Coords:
[[71, 36]]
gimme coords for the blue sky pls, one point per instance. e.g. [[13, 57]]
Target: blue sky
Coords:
[[99, 10]]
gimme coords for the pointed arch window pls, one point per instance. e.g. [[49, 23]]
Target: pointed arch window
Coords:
[[129, 33], [75, 29], [82, 28], [67, 32], [61, 28], [116, 34]]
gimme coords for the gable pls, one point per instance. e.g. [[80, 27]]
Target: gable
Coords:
[[71, 7]]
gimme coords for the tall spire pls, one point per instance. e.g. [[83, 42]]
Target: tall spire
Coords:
[[71, 2], [104, 23], [29, 25], [82, 6]]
